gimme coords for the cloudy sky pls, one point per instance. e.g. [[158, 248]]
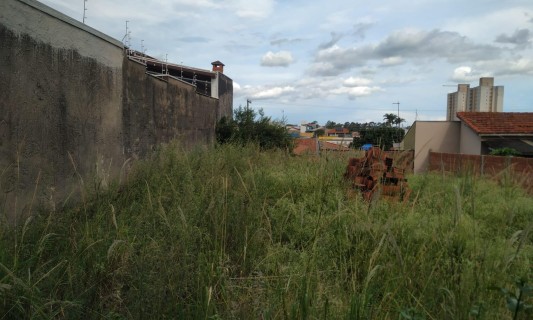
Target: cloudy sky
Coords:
[[339, 60]]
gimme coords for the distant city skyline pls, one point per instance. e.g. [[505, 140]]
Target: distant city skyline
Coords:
[[338, 60]]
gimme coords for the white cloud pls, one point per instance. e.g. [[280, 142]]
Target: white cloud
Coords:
[[522, 66], [487, 26], [277, 59], [356, 82], [355, 92], [464, 74], [491, 68], [271, 93], [257, 9], [391, 61]]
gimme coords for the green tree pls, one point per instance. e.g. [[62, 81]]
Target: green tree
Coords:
[[504, 152], [383, 136], [398, 120], [331, 124], [249, 126], [390, 119], [319, 133]]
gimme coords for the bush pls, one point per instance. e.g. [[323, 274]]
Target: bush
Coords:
[[247, 126], [504, 152], [383, 136]]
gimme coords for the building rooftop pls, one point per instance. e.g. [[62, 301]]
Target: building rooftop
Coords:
[[513, 123], [305, 146], [337, 130]]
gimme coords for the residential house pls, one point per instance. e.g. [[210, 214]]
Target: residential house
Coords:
[[338, 132], [482, 132], [309, 127], [476, 133], [293, 130]]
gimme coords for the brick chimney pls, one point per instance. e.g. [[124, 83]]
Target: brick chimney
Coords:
[[218, 66]]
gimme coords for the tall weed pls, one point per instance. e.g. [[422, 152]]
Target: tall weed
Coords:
[[233, 232]]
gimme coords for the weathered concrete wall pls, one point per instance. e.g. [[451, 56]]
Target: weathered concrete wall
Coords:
[[73, 109], [30, 17], [225, 95], [60, 107], [158, 111]]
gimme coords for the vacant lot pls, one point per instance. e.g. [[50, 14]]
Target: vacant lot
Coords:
[[236, 233]]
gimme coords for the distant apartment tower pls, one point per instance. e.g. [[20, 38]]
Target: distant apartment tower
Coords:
[[485, 98]]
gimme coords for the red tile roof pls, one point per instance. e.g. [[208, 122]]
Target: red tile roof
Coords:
[[498, 122], [305, 146], [337, 130]]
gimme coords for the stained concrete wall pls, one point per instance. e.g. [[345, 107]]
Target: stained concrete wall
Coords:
[[73, 109], [60, 106], [225, 96], [159, 110]]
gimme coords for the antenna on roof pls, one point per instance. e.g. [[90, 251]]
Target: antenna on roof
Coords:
[[165, 67], [84, 11], [127, 39], [126, 35], [143, 51]]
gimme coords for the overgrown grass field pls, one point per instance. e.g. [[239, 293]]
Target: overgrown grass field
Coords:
[[235, 233]]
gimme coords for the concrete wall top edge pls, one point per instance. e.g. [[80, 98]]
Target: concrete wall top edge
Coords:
[[47, 26], [58, 15]]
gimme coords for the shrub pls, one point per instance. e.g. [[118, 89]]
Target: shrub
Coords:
[[504, 152], [248, 126]]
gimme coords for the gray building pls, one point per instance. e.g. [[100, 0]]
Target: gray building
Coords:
[[484, 98]]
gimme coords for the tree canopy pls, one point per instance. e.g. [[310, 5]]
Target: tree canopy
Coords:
[[376, 133], [249, 126], [391, 118]]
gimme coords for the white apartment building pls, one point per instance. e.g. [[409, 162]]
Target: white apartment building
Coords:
[[485, 98]]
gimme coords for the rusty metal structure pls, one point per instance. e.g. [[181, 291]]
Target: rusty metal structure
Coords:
[[375, 174]]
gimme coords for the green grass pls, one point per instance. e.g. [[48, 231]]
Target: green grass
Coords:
[[235, 233]]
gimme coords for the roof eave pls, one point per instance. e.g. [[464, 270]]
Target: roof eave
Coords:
[[505, 134]]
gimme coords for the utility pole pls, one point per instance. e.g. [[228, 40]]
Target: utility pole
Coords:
[[248, 101], [398, 103]]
